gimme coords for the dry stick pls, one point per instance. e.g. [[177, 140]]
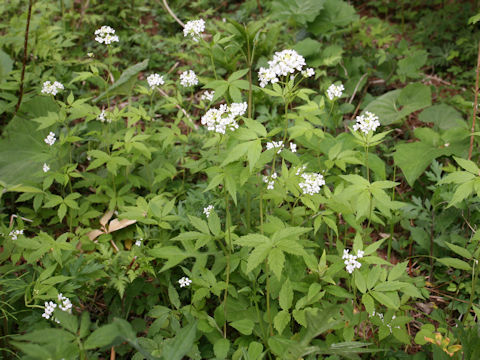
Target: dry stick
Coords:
[[25, 46], [172, 13], [474, 116]]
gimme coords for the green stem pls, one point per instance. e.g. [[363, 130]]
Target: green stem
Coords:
[[472, 293], [267, 274], [366, 162], [389, 248], [229, 248]]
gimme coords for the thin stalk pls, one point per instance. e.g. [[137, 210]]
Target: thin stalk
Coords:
[[366, 162], [472, 293], [389, 248], [269, 314], [286, 123], [474, 115], [213, 64], [431, 245], [229, 248], [24, 63], [249, 61]]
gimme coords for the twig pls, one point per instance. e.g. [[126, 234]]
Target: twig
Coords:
[[474, 115], [25, 48], [16, 216], [172, 13], [356, 88], [179, 108]]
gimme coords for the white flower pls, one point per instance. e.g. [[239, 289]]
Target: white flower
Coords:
[[267, 75], [46, 168], [308, 72], [207, 210], [222, 119], [301, 169], [366, 123], [184, 281], [49, 309], [50, 139], [207, 95], [335, 91], [138, 243], [14, 234], [312, 183], [238, 109], [293, 147], [270, 181], [155, 80], [351, 262], [284, 63], [194, 28], [64, 303], [51, 89], [188, 78], [275, 145], [105, 35]]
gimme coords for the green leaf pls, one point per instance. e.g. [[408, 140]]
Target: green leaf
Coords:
[[254, 152], [258, 255], [398, 271], [237, 75], [468, 165], [335, 15], [368, 302], [398, 104], [199, 224], [459, 250], [281, 320], [124, 84], [182, 343], [101, 337], [390, 299], [407, 158], [220, 348], [6, 65], [372, 248], [252, 240], [255, 350], [298, 11], [214, 223], [286, 295], [244, 326], [236, 153], [360, 282], [455, 263], [276, 260], [68, 321], [442, 116]]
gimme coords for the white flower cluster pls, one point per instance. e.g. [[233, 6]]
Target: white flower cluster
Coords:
[[308, 72], [155, 80], [389, 326], [284, 63], [351, 260], [312, 183], [275, 145], [188, 78], [207, 95], [105, 35], [184, 281], [207, 210], [51, 89], [335, 91], [366, 122], [50, 139], [63, 304], [103, 117], [270, 181], [194, 28], [138, 242], [14, 234], [223, 118], [46, 168], [293, 147]]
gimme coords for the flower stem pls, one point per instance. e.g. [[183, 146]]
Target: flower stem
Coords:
[[229, 251]]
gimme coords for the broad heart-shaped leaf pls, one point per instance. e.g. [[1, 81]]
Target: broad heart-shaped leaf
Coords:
[[442, 116], [335, 14], [125, 82], [397, 104], [300, 11], [22, 149], [414, 158]]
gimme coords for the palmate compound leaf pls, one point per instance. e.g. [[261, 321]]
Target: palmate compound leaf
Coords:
[[22, 148]]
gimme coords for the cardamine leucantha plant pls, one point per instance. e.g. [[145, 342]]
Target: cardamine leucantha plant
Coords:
[[209, 186]]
